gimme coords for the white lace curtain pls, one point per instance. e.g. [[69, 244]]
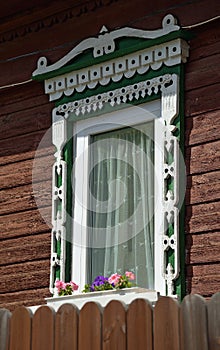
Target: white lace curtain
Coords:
[[120, 219]]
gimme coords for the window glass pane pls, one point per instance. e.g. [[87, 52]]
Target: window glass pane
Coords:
[[121, 202]]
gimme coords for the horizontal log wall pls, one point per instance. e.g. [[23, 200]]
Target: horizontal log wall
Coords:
[[26, 158], [25, 119], [202, 154]]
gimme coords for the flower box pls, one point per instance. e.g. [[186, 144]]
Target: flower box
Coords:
[[126, 295]]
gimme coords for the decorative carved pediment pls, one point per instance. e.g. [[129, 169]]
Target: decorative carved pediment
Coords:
[[111, 57]]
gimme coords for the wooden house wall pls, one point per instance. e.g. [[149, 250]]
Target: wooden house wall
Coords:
[[25, 117], [202, 157]]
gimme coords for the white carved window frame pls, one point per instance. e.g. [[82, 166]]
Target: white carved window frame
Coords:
[[57, 85], [149, 111]]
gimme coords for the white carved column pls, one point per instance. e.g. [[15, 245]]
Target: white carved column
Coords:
[[58, 237], [170, 110]]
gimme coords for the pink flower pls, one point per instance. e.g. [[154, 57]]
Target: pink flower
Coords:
[[74, 285], [60, 285], [115, 278], [130, 275]]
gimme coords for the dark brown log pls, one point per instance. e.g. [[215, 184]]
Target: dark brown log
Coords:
[[203, 270], [30, 119], [25, 197], [202, 128], [202, 100], [25, 223], [203, 188], [203, 158], [15, 6], [22, 173], [25, 276], [203, 248], [203, 279], [208, 43], [23, 98], [203, 72], [25, 249], [24, 147], [13, 300], [202, 217]]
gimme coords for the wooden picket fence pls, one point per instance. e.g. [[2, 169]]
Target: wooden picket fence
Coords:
[[192, 325]]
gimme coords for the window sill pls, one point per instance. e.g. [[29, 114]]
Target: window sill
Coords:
[[126, 295]]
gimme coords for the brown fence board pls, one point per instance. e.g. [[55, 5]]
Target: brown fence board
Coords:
[[43, 329], [214, 322], [114, 326], [166, 324], [66, 328], [193, 316], [139, 325], [4, 329], [89, 332], [20, 329], [193, 324]]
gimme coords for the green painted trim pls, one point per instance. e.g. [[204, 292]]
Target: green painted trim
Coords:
[[57, 273], [137, 78], [68, 158], [59, 184], [180, 283], [58, 251], [124, 46], [57, 268]]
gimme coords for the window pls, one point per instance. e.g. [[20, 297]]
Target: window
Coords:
[[120, 89], [113, 209]]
